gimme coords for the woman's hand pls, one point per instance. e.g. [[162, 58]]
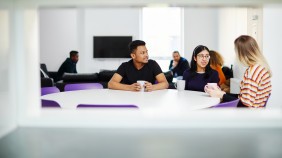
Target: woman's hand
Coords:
[[216, 93]]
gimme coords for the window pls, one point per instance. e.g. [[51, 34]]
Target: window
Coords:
[[162, 31]]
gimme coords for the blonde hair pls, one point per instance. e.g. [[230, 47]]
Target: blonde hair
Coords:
[[249, 53], [216, 58]]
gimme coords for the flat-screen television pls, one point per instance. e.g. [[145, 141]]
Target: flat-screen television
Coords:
[[111, 46]]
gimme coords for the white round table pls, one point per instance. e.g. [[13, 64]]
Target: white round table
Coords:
[[168, 99]]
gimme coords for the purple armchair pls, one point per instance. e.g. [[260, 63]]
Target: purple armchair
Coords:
[[105, 106], [49, 103], [82, 86], [230, 104], [49, 90]]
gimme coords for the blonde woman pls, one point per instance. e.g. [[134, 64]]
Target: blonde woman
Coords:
[[256, 85]]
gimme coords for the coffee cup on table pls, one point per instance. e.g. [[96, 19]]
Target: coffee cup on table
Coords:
[[142, 83], [180, 85], [212, 86]]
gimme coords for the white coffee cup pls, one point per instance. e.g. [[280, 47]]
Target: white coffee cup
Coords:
[[142, 83], [211, 86], [180, 85]]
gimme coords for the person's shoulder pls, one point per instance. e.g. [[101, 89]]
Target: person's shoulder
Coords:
[[127, 63], [186, 74], [214, 72], [256, 67], [183, 59], [68, 60], [187, 71], [152, 62], [257, 70]]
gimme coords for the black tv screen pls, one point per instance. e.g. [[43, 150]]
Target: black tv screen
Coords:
[[111, 46]]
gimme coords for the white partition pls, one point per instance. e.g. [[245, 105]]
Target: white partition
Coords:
[[272, 34], [8, 114]]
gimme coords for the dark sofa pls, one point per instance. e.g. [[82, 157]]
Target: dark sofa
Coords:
[[102, 77], [48, 78]]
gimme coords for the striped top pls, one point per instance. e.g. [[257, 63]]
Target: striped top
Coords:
[[255, 87]]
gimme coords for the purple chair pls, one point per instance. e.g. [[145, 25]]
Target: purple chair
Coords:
[[82, 86], [49, 90], [106, 106], [230, 104], [49, 103], [267, 99]]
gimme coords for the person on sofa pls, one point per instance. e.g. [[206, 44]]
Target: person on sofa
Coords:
[[178, 65], [69, 65], [138, 68]]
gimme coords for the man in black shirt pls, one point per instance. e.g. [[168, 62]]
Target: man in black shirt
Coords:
[[138, 68], [178, 65], [68, 66]]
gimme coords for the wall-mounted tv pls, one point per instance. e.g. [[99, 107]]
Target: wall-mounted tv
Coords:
[[111, 46]]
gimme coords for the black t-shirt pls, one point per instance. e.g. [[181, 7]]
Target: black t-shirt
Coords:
[[130, 74]]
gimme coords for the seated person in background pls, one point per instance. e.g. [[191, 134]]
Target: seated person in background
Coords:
[[228, 73], [178, 65], [138, 68], [256, 85], [216, 63], [200, 72], [68, 66]]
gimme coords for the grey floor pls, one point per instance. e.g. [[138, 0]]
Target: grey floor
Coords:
[[141, 143]]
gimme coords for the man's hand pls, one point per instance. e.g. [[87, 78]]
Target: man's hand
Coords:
[[135, 87], [148, 86], [174, 64]]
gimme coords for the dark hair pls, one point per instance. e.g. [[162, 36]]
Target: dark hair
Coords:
[[73, 53], [134, 44], [193, 68], [176, 52]]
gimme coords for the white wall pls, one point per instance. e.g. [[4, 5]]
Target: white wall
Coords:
[[58, 35], [107, 22], [200, 28], [272, 43], [62, 30], [232, 23], [80, 25]]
